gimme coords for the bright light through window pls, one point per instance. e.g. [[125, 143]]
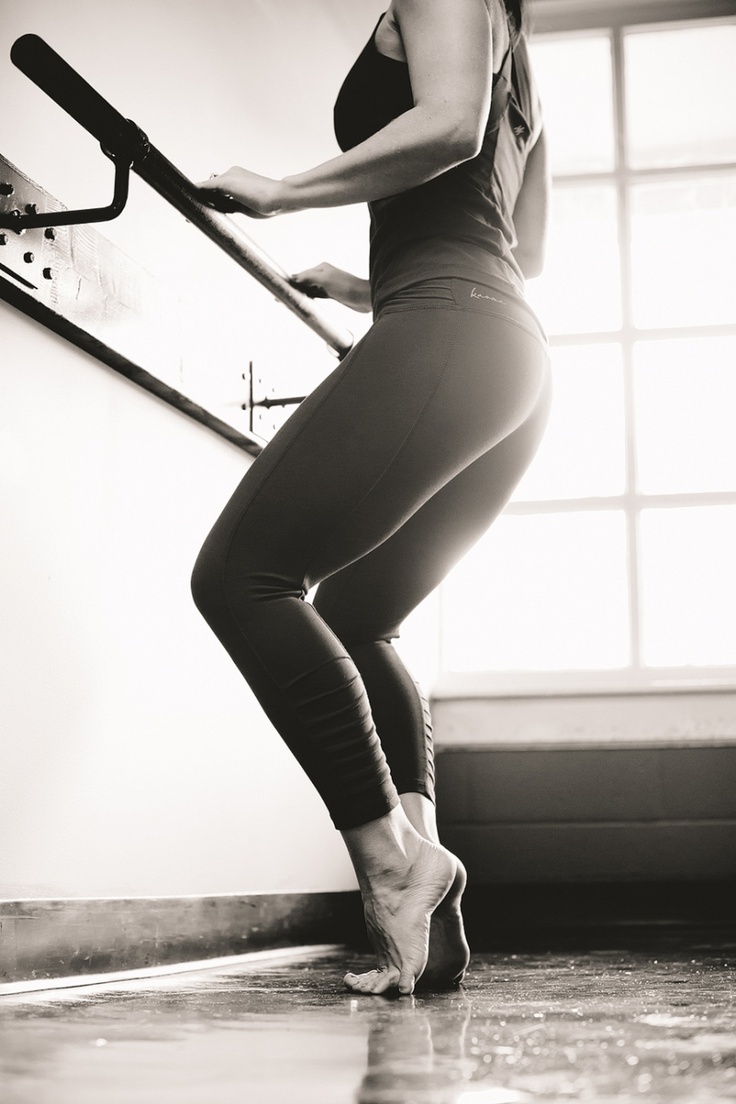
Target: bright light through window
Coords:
[[669, 122], [689, 598], [582, 453], [588, 146], [683, 249], [580, 288], [685, 403], [544, 592], [616, 552]]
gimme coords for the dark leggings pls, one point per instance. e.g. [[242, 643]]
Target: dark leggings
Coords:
[[376, 485]]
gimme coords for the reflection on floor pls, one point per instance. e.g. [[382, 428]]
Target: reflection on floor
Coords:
[[598, 1026]]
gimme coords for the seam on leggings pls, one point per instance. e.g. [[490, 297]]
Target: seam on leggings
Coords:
[[313, 670], [400, 447]]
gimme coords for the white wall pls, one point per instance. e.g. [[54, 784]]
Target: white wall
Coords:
[[134, 761]]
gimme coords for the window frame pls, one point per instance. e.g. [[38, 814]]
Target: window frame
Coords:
[[551, 19]]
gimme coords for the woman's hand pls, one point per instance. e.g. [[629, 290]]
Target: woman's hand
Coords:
[[244, 192], [324, 281]]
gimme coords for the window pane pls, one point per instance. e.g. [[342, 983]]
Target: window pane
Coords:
[[579, 291], [680, 95], [541, 592], [688, 589], [683, 249], [582, 452], [578, 114], [685, 394]]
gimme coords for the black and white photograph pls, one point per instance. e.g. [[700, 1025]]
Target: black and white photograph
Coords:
[[367, 585]]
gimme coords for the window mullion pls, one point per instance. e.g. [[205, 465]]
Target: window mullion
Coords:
[[627, 344]]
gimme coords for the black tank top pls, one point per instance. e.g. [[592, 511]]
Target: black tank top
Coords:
[[459, 223]]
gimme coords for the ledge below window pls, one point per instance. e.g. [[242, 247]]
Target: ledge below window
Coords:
[[636, 720], [627, 682]]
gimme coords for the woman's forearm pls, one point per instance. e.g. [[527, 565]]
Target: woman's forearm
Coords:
[[359, 297], [325, 281], [412, 149]]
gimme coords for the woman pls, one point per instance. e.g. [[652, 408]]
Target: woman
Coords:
[[400, 460]]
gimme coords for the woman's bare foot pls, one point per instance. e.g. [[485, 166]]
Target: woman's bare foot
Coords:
[[449, 953], [403, 879]]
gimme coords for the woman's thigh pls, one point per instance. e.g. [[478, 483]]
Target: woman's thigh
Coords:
[[369, 599]]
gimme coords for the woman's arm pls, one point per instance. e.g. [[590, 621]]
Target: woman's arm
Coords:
[[531, 212], [448, 46], [324, 281]]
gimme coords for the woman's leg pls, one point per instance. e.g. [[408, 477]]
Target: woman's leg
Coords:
[[365, 605], [410, 408]]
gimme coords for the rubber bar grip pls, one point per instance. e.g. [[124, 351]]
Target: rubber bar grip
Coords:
[[57, 79]]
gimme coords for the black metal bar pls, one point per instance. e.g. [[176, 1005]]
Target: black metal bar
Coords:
[[123, 138], [57, 79]]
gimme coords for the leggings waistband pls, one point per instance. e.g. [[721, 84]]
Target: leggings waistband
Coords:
[[459, 293]]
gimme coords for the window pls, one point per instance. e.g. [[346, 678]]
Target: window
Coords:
[[613, 566]]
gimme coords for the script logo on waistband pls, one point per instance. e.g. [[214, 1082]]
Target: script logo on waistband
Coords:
[[475, 294]]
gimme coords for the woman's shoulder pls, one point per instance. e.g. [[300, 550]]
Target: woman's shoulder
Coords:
[[388, 33]]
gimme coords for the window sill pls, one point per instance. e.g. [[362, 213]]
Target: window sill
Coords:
[[594, 721], [453, 685]]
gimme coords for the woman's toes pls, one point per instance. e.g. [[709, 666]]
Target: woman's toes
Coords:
[[374, 982], [359, 982], [406, 983], [386, 980], [354, 981]]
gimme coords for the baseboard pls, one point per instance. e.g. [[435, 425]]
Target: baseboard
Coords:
[[59, 938]]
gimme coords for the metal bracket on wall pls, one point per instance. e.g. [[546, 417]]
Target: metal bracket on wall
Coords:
[[252, 404], [31, 218]]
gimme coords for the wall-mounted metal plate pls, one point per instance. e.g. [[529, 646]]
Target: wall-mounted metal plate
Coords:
[[77, 283]]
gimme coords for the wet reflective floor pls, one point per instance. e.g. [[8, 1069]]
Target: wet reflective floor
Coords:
[[600, 1026]]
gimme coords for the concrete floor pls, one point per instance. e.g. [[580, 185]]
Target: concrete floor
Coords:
[[598, 1026]]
